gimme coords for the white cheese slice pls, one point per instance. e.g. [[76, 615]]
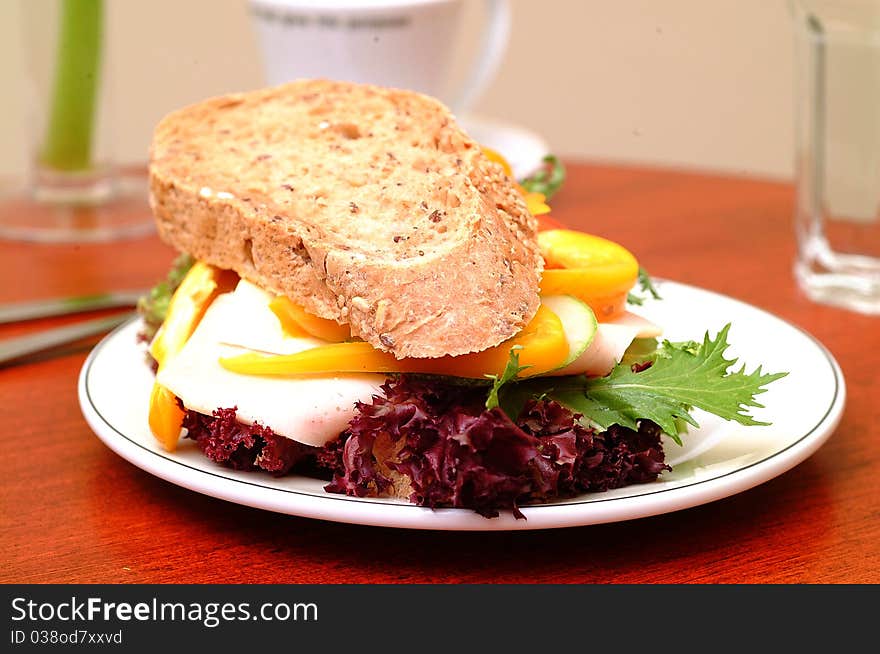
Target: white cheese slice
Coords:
[[251, 324], [311, 410]]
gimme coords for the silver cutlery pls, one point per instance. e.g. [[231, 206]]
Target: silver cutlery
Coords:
[[30, 310], [12, 349]]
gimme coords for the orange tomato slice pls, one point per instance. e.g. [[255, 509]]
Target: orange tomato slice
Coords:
[[296, 321], [543, 346], [546, 221], [598, 271]]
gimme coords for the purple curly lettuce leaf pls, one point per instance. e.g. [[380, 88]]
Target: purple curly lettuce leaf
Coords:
[[453, 452], [225, 440], [437, 445]]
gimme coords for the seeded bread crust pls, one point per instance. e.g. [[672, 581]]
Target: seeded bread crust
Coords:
[[366, 205]]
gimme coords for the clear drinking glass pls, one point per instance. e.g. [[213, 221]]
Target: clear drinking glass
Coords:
[[837, 94], [73, 189]]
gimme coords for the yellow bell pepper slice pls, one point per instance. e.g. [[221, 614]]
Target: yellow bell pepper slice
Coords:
[[165, 417], [296, 321], [543, 344], [598, 271], [192, 298], [494, 155], [536, 202]]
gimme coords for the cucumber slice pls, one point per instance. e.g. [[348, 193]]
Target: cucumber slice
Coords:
[[578, 321]]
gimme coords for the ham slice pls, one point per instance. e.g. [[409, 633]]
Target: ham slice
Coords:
[[608, 346]]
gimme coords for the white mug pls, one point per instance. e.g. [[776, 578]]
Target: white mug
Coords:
[[397, 43]]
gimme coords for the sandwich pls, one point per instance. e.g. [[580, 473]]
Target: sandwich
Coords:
[[366, 295]]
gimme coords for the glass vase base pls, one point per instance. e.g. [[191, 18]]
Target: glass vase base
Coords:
[[843, 289], [29, 214]]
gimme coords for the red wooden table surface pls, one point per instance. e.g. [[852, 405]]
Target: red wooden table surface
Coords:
[[73, 511]]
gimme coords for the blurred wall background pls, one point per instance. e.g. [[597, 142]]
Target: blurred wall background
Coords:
[[680, 83]]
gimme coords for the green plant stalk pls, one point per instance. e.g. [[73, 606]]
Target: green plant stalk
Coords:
[[70, 130]]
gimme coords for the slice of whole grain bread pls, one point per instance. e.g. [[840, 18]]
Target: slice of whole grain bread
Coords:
[[366, 205]]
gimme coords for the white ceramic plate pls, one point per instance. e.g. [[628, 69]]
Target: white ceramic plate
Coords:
[[718, 460], [523, 148]]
